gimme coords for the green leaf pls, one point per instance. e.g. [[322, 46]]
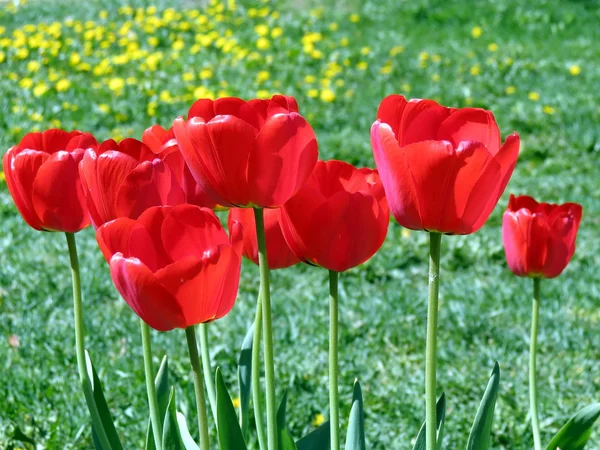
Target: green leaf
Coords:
[[102, 406], [318, 439], [230, 433], [355, 439], [171, 438], [440, 419], [186, 437], [479, 439], [286, 442], [576, 432], [161, 382], [245, 378]]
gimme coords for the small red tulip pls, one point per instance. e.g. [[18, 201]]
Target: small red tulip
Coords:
[[539, 238], [254, 153], [175, 266], [279, 255], [43, 178], [163, 144], [124, 179], [443, 169], [339, 218]]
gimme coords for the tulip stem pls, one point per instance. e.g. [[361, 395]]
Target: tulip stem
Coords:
[[431, 347], [256, 397], [80, 345], [150, 387], [535, 312], [207, 369], [334, 411], [190, 334], [265, 298]]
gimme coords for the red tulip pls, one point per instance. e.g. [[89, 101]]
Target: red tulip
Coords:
[[443, 169], [163, 144], [43, 179], [339, 218], [539, 238], [255, 153], [279, 255], [124, 179], [175, 266]]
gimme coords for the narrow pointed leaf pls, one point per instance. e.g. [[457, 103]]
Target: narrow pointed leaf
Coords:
[[245, 379], [171, 438], [186, 437], [440, 416], [102, 406], [355, 439], [480, 436], [318, 439], [286, 442], [576, 432], [228, 427], [161, 382]]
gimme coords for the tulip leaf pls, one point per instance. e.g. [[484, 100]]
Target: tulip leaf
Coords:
[[186, 437], [286, 442], [355, 437], [102, 407], [245, 378], [171, 438], [480, 436], [161, 382], [228, 427], [576, 432], [318, 439], [440, 419]]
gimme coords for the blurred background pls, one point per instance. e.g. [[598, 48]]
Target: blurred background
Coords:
[[115, 68]]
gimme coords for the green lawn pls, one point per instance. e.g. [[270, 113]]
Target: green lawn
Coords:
[[535, 64]]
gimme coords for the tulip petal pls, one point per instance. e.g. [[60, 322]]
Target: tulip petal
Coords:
[[515, 243], [395, 175], [284, 157], [421, 120], [191, 231], [141, 290], [57, 195], [21, 168], [151, 183], [208, 109], [154, 137], [390, 111], [471, 124], [82, 141]]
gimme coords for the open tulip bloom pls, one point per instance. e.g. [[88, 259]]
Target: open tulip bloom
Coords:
[[440, 170], [539, 242], [443, 170]]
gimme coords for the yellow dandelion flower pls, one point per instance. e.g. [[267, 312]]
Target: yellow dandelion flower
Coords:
[[236, 402], [276, 32], [116, 84], [386, 69], [40, 89], [354, 18], [310, 79], [406, 87], [262, 76], [318, 420], [327, 95], [205, 74], [510, 90], [406, 233], [344, 42], [508, 61], [362, 65], [188, 76], [475, 70], [435, 78], [534, 96], [263, 93], [2, 176], [547, 109], [261, 30], [74, 59], [365, 51], [436, 58], [333, 26], [493, 47], [340, 82], [36, 117], [130, 81], [396, 50], [575, 70], [423, 56], [63, 85], [316, 54], [33, 66], [313, 93], [263, 43], [476, 32], [153, 41], [22, 53], [178, 45]]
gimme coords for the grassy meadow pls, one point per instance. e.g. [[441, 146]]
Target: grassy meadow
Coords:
[[114, 69]]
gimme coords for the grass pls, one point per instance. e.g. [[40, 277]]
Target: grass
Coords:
[[522, 67]]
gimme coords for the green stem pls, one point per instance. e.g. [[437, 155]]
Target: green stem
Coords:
[[431, 350], [190, 334], [80, 346], [256, 397], [207, 369], [334, 411], [150, 387], [265, 296], [535, 312]]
